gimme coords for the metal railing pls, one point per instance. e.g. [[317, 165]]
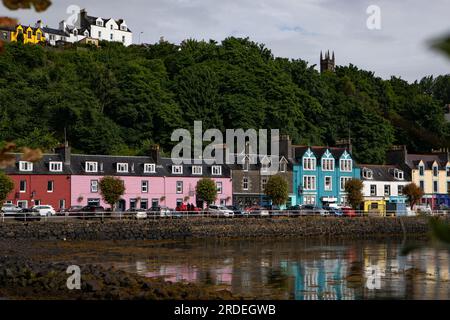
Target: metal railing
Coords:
[[155, 215]]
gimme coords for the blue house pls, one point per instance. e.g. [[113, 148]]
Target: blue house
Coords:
[[320, 174]]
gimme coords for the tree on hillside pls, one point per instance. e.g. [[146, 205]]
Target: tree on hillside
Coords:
[[413, 193], [353, 188], [277, 190], [111, 189], [6, 186], [206, 190]]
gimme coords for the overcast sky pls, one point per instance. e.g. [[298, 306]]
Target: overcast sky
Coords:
[[290, 28]]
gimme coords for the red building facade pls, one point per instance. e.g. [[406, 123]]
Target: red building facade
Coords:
[[46, 182]]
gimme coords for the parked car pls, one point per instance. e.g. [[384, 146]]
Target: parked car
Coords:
[[334, 211], [91, 211], [159, 211], [296, 210], [45, 210], [220, 211], [27, 214], [236, 210], [314, 210], [424, 209], [257, 211], [10, 209], [137, 213], [348, 212]]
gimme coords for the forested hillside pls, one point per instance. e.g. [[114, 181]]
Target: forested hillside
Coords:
[[118, 100]]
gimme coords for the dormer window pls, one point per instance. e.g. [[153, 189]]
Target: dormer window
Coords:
[[86, 33], [435, 171], [122, 167], [75, 32], [123, 28], [367, 173], [421, 170], [327, 164], [346, 165], [99, 22], [309, 163], [149, 168], [197, 170], [91, 166], [25, 166], [216, 170], [177, 169], [55, 166], [283, 166], [399, 175]]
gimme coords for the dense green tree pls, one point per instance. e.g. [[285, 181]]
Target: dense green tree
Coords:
[[353, 189], [206, 190], [277, 189], [111, 189], [113, 99], [6, 186]]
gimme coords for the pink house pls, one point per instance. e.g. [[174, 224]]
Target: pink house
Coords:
[[149, 181]]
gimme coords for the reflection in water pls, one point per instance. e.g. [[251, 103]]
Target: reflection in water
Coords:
[[302, 270]]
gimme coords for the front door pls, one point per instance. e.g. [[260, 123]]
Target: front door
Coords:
[[121, 205]]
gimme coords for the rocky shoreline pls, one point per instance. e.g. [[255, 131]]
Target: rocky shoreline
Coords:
[[198, 228], [23, 278]]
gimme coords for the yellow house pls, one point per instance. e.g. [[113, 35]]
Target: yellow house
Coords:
[[431, 172], [30, 35]]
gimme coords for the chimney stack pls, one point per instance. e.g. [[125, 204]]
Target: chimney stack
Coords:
[[286, 146], [154, 153], [65, 153]]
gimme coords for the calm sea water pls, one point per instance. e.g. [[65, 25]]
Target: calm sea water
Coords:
[[297, 269], [274, 269]]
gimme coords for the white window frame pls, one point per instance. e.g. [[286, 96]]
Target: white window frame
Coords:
[[367, 174], [179, 187], [55, 166], [388, 187], [216, 170], [122, 167], [197, 170], [219, 187], [435, 169], [177, 169], [309, 163], [283, 166], [149, 168], [91, 166], [26, 166], [327, 164], [264, 183], [373, 194], [346, 165], [311, 200], [52, 184], [25, 186], [93, 186], [244, 183], [330, 188], [309, 183], [342, 184], [144, 186]]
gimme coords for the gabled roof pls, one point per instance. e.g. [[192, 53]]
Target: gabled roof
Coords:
[[318, 151], [413, 160]]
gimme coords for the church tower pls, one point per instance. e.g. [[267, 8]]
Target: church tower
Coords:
[[327, 63]]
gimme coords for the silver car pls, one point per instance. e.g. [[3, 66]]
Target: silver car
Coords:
[[220, 211], [10, 209]]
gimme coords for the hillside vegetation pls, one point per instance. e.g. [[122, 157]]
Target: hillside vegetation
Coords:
[[117, 100]]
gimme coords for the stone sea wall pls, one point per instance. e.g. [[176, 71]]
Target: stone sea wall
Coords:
[[212, 227]]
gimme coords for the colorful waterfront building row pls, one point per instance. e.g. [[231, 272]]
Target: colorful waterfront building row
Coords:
[[316, 176]]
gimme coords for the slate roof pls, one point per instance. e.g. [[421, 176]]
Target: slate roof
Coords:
[[107, 166], [383, 172], [413, 160], [39, 167], [90, 20], [239, 160], [55, 31]]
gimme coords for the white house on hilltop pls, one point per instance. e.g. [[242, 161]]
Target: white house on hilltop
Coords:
[[98, 28]]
